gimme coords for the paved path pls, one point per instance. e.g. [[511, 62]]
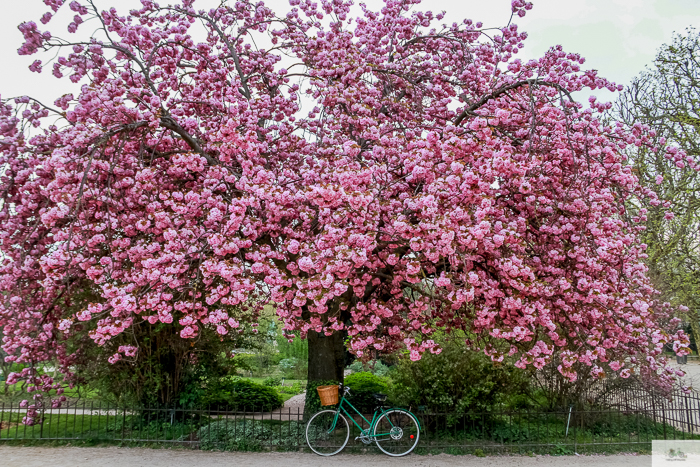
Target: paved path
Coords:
[[293, 410], [26, 456], [692, 373]]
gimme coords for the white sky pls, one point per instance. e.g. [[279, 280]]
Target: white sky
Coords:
[[617, 37]]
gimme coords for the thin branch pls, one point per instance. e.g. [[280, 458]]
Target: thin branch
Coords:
[[498, 92]]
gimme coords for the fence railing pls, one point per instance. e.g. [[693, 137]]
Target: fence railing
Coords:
[[558, 432], [681, 410]]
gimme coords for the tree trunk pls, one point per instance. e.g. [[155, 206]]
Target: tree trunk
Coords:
[[326, 366]]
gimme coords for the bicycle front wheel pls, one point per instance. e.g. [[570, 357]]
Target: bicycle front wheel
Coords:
[[325, 435], [396, 432]]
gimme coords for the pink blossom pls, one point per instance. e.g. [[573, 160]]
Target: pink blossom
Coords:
[[293, 247], [305, 263]]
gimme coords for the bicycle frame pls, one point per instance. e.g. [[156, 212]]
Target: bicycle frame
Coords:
[[375, 417]]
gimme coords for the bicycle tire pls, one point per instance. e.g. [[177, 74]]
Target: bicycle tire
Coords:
[[321, 439], [401, 432]]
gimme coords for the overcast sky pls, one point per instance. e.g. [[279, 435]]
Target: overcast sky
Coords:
[[617, 37]]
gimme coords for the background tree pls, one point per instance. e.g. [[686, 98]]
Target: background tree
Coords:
[[666, 98], [166, 371], [435, 182]]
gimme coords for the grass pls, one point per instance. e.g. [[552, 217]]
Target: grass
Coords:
[[97, 427], [57, 426], [15, 394]]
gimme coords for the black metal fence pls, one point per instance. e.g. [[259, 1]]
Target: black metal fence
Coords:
[[678, 408], [567, 431]]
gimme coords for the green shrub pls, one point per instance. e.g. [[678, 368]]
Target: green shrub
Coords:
[[296, 388], [456, 381], [375, 367], [271, 381], [241, 394], [293, 368], [166, 371], [248, 435], [288, 364], [362, 387], [298, 348]]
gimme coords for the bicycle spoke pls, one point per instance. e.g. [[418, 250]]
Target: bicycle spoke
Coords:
[[396, 432], [325, 435]]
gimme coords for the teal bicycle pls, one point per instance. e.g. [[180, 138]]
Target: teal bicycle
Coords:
[[395, 431]]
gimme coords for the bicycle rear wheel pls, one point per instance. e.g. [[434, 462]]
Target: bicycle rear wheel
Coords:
[[326, 436], [396, 432]]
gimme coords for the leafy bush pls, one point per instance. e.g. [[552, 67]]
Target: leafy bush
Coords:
[[293, 368], [298, 348], [166, 371], [362, 387], [248, 363], [248, 435], [375, 367], [296, 388], [611, 424], [241, 394], [271, 381], [457, 380], [288, 364]]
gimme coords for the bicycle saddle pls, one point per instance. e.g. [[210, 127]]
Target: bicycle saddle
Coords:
[[379, 397]]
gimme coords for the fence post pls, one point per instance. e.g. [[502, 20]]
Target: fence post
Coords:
[[301, 444], [663, 414], [123, 420], [575, 439]]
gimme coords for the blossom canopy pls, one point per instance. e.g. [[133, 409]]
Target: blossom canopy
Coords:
[[384, 175]]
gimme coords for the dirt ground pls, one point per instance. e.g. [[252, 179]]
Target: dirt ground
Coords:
[[11, 456]]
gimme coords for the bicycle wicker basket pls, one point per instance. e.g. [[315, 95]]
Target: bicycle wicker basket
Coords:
[[328, 394]]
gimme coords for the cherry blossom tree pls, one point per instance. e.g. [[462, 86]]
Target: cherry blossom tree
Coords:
[[377, 177]]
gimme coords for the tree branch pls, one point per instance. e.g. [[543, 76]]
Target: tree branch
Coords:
[[498, 92]]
